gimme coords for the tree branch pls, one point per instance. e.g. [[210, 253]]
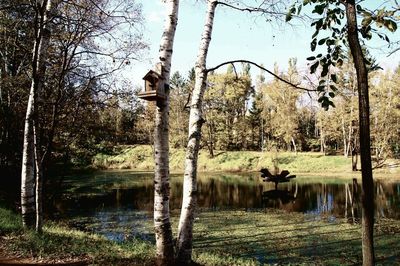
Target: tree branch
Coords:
[[263, 68], [251, 9]]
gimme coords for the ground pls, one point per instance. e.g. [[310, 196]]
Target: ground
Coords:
[[9, 259], [220, 238]]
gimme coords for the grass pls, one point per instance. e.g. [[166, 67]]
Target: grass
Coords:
[[220, 238], [58, 242], [141, 158], [279, 238]]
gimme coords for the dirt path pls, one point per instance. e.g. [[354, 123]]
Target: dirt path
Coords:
[[7, 260]]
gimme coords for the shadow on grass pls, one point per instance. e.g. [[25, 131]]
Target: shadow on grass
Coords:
[[299, 242]]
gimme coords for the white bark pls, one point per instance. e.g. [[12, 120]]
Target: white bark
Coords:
[[162, 225], [185, 229], [31, 208], [28, 166]]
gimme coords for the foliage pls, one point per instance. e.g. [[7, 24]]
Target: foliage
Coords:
[[91, 43], [331, 32], [226, 104]]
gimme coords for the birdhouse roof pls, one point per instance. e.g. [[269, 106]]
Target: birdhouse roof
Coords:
[[152, 74]]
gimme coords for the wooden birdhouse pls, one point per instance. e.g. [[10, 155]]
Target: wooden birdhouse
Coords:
[[153, 89]]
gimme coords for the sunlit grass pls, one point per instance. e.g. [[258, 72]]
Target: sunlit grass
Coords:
[[141, 158], [257, 238], [220, 238], [58, 242]]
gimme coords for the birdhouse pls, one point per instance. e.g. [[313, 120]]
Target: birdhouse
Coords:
[[153, 90]]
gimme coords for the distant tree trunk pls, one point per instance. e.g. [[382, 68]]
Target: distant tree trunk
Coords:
[[185, 229], [322, 141], [365, 143], [31, 173], [294, 145], [211, 140], [162, 225], [345, 142]]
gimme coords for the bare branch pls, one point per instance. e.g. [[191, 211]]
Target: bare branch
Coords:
[[252, 9], [263, 68]]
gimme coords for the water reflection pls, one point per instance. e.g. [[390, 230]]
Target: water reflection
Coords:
[[134, 191], [119, 204]]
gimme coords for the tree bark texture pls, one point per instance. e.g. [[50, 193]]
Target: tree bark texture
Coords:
[[162, 225], [189, 201], [31, 183], [365, 143]]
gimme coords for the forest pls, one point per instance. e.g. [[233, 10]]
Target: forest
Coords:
[[67, 98]]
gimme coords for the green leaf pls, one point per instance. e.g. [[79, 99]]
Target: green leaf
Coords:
[[322, 41], [319, 9], [333, 87], [311, 58], [330, 42], [313, 44], [332, 94], [390, 25], [314, 67], [334, 78], [288, 17], [366, 21], [325, 70]]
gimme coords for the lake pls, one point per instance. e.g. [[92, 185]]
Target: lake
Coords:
[[119, 203]]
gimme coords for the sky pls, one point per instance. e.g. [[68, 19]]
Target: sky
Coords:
[[236, 35]]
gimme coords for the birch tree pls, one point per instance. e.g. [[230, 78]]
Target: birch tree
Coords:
[[189, 201], [162, 225], [31, 206], [196, 120]]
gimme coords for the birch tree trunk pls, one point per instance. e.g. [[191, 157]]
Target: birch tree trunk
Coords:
[[31, 207], [365, 142], [162, 225], [189, 201]]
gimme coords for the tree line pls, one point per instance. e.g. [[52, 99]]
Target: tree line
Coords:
[[260, 114]]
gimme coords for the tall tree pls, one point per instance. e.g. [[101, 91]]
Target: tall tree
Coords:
[[280, 99], [365, 141], [332, 12], [162, 224], [189, 201], [31, 166]]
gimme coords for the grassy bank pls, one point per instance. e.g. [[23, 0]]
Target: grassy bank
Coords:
[[141, 158], [220, 238], [59, 243]]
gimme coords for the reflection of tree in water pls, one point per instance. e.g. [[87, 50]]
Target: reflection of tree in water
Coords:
[[216, 194], [226, 192], [277, 196], [387, 200]]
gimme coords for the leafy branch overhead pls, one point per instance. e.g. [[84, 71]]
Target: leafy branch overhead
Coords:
[[331, 32]]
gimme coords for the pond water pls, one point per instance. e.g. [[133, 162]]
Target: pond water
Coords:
[[113, 202]]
